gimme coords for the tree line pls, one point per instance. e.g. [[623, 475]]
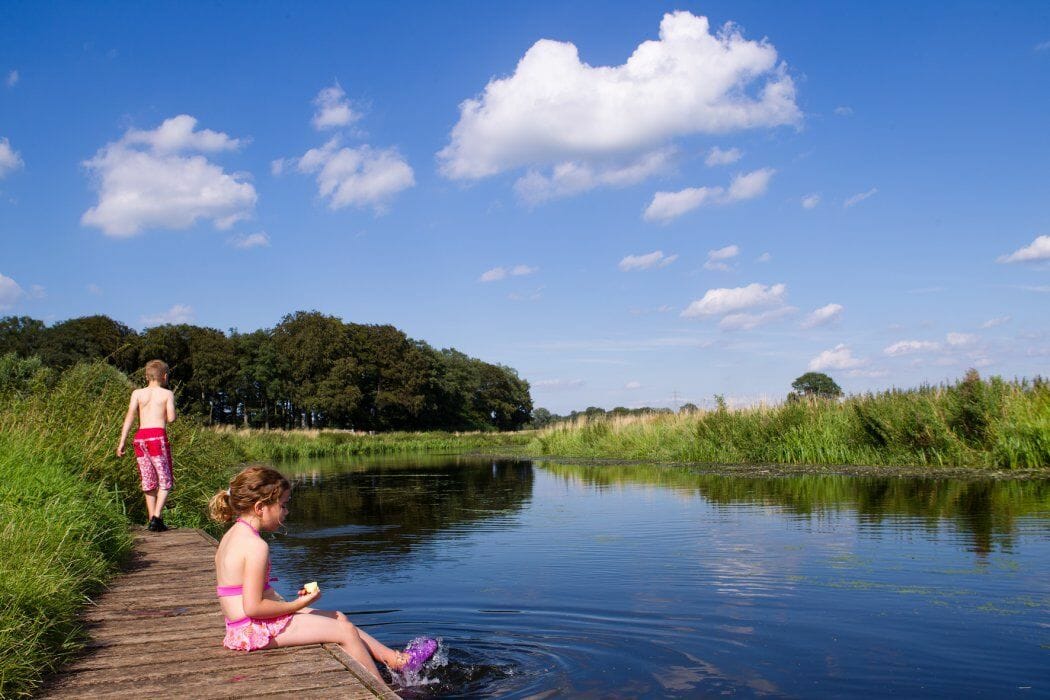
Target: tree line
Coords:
[[309, 371]]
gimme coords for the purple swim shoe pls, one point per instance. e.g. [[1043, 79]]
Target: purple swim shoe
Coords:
[[419, 651]]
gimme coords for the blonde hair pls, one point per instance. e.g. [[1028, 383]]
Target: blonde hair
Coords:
[[155, 370], [256, 484]]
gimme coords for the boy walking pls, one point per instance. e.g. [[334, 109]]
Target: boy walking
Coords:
[[155, 407]]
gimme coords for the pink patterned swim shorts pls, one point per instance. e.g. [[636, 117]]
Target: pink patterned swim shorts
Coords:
[[249, 634], [153, 455]]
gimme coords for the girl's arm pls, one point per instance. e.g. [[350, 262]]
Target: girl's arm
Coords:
[[255, 603]]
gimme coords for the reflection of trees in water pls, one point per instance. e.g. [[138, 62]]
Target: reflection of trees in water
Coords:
[[391, 508], [985, 509]]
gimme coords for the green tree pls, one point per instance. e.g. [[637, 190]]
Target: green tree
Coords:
[[21, 335], [89, 338], [311, 343], [817, 385]]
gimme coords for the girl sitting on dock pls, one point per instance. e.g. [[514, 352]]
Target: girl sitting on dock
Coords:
[[256, 616]]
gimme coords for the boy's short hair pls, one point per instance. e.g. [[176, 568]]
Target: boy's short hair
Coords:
[[155, 370]]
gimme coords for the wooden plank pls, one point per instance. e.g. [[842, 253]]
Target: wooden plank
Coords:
[[157, 631]]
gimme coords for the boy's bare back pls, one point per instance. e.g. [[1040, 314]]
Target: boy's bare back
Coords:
[[155, 406]]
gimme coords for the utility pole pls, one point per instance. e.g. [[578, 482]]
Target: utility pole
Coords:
[[674, 400]]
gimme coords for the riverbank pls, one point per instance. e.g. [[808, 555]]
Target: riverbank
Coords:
[[973, 424]]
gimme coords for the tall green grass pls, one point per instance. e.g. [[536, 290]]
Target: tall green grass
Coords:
[[274, 446], [65, 503], [973, 423]]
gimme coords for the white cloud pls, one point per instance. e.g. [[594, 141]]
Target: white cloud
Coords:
[[715, 258], [12, 79], [558, 112], [94, 289], [145, 180], [961, 339], [667, 206], [632, 386], [37, 291], [746, 322], [1042, 46], [498, 273], [10, 292], [994, 322], [810, 201], [1039, 249], [839, 357], [333, 109], [859, 197], [725, 300], [717, 156], [844, 111], [823, 316], [180, 313], [534, 295], [646, 261], [570, 178], [908, 347], [10, 160], [253, 240], [764, 258], [557, 384], [362, 176]]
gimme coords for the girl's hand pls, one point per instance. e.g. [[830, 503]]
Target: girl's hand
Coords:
[[308, 598]]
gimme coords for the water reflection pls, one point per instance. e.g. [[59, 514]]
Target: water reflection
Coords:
[[985, 509], [642, 581]]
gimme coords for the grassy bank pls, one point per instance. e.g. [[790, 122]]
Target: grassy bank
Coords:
[[272, 446], [66, 501], [973, 423]]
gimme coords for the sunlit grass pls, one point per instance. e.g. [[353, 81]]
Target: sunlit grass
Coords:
[[973, 423]]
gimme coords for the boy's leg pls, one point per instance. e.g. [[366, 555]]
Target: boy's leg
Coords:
[[151, 502], [161, 497]]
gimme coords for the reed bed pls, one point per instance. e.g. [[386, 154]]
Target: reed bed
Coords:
[[973, 423], [275, 446]]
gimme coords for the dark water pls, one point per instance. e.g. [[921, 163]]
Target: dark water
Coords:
[[548, 580]]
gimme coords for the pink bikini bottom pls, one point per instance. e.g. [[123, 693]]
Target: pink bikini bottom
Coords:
[[249, 634]]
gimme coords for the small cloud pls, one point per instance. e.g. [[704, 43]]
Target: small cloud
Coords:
[[646, 261], [860, 197], [12, 79], [362, 176], [747, 322], [730, 300], [871, 373], [333, 109], [961, 339], [810, 201], [908, 347], [667, 206], [37, 291], [180, 313], [1039, 249], [823, 316], [498, 273], [717, 156], [10, 160], [253, 240], [1042, 46], [839, 357], [844, 111], [995, 322], [632, 386], [558, 384], [10, 292], [94, 289], [764, 258], [716, 258], [534, 295], [277, 166]]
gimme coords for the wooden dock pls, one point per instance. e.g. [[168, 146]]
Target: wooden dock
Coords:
[[157, 631]]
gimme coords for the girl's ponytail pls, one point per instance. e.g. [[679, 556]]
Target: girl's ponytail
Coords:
[[219, 507]]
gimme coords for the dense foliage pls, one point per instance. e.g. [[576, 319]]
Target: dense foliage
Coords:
[[309, 371]]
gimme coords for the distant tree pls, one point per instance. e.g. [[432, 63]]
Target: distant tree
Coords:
[[21, 335], [541, 418], [818, 385], [89, 338], [689, 408]]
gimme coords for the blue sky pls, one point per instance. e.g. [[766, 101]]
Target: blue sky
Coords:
[[630, 203]]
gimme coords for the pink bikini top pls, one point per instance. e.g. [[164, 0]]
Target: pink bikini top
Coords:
[[224, 591]]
